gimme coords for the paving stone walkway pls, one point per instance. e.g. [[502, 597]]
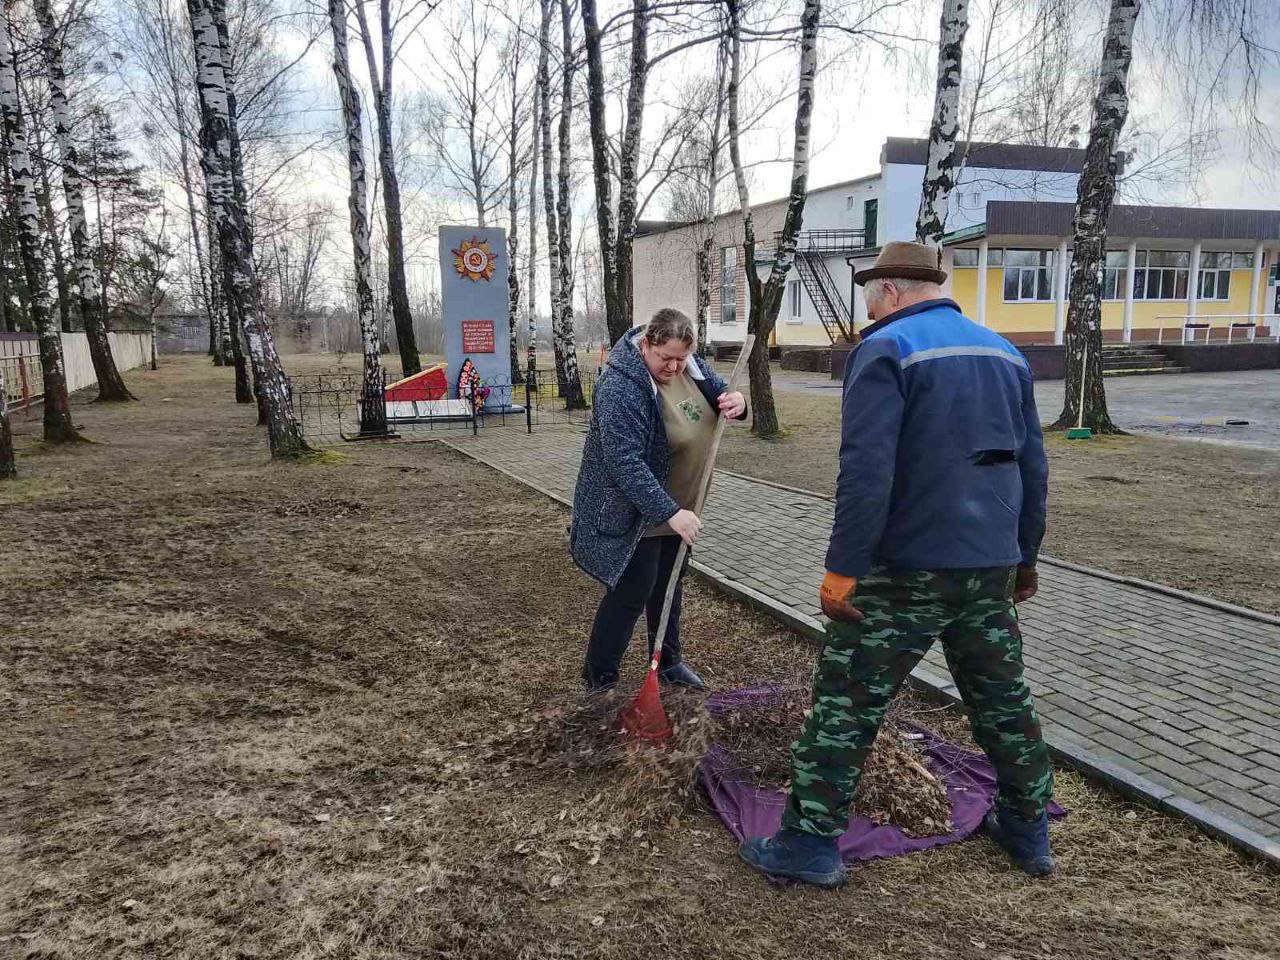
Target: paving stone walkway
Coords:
[[1160, 694]]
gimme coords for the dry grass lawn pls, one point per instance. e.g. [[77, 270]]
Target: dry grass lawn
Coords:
[[1197, 516], [256, 710]]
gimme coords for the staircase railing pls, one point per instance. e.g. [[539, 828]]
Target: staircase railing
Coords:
[[824, 295]]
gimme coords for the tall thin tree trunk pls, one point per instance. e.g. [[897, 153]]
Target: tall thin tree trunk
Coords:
[[225, 185], [58, 427], [628, 168], [111, 386], [531, 281], [513, 219], [617, 236], [1094, 196], [397, 286], [573, 395], [230, 335], [373, 417], [240, 193], [203, 267], [53, 242], [707, 249], [548, 190], [8, 469], [606, 231], [766, 298], [940, 168]]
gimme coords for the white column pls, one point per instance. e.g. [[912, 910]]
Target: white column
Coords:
[[1129, 278], [1060, 287], [1193, 281], [1255, 287], [982, 282]]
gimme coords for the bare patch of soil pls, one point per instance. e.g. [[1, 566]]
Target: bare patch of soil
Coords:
[[244, 718]]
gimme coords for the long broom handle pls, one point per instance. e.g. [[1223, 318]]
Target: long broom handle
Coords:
[[704, 484]]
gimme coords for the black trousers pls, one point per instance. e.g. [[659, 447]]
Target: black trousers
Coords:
[[640, 590]]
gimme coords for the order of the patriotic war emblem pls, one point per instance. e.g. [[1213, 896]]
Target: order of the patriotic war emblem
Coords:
[[474, 260]]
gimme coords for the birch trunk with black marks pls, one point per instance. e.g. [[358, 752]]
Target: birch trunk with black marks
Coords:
[[53, 243], [8, 468], [111, 386], [707, 248], [940, 166], [572, 395], [1094, 197], [513, 221], [766, 297], [531, 279], [606, 231], [381, 84], [548, 189], [226, 194], [58, 427], [373, 418], [230, 337], [617, 235], [241, 194]]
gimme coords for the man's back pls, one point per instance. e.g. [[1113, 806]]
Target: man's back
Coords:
[[942, 462]]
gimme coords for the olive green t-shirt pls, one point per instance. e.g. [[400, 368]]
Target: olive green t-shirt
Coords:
[[691, 424]]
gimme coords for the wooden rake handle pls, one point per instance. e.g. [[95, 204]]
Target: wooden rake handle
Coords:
[[704, 486]]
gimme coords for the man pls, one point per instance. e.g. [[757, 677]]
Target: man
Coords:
[[940, 510]]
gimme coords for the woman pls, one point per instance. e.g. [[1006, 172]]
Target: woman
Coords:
[[655, 410]]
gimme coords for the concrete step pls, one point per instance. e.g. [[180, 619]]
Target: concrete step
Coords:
[[1143, 371]]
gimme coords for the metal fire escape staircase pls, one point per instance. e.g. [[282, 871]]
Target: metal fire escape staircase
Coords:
[[812, 249]]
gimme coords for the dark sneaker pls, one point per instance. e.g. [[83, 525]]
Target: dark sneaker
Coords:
[[681, 676], [1025, 841], [796, 856]]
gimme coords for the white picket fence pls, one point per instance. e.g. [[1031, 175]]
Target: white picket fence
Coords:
[[20, 357]]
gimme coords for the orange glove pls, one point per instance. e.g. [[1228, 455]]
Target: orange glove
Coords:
[[836, 598]]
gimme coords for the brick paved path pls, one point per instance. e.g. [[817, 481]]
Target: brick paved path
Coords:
[[1158, 694]]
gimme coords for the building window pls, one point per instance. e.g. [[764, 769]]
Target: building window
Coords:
[[1241, 261], [966, 257], [795, 297], [1028, 275], [729, 285], [1161, 275], [1114, 274], [1215, 276]]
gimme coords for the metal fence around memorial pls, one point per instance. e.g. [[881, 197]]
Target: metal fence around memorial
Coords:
[[329, 407]]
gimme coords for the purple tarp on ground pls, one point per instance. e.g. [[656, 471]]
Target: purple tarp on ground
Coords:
[[749, 810]]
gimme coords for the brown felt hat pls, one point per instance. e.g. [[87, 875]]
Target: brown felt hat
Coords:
[[900, 260]]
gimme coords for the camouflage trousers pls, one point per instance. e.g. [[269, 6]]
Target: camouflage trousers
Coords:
[[862, 665]]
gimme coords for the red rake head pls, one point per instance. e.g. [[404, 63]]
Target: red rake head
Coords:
[[644, 717]]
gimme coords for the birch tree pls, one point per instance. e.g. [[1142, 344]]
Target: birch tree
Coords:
[[518, 98], [372, 416], [940, 167], [110, 384], [380, 79], [766, 296], [58, 427], [571, 393], [557, 209], [1094, 197], [224, 180], [531, 279]]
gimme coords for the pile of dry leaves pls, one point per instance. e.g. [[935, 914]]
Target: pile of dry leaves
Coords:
[[584, 740]]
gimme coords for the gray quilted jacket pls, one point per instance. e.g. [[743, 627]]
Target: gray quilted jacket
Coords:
[[624, 463]]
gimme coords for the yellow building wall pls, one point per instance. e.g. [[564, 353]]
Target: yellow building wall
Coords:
[[1038, 317]]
